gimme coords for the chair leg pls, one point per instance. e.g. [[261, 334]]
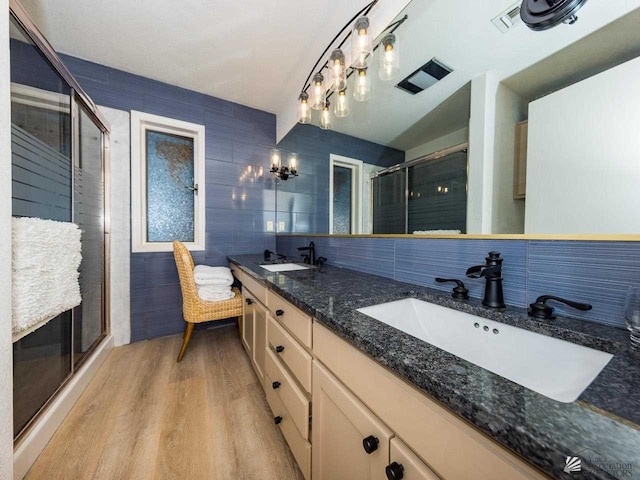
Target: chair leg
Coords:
[[188, 331]]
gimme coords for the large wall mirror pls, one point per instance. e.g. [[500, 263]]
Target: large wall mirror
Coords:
[[531, 133]]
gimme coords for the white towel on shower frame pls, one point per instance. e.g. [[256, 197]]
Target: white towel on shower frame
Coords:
[[46, 258]]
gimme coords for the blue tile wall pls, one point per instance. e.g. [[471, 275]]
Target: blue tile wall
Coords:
[[237, 139], [594, 272], [303, 203]]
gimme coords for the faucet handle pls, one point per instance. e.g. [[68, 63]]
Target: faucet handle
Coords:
[[541, 310], [460, 292]]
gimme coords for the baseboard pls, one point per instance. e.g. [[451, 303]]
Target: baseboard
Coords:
[[34, 442]]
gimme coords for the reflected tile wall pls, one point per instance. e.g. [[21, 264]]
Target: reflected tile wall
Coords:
[[303, 202], [594, 272]]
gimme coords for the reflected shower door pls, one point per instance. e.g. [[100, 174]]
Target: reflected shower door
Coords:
[[389, 203]]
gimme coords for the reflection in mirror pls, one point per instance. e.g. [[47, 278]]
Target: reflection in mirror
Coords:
[[531, 133]]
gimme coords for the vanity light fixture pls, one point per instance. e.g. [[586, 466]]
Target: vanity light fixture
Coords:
[[283, 172], [341, 108], [361, 86], [325, 117], [389, 59], [317, 94], [304, 109], [338, 70], [362, 50], [361, 44]]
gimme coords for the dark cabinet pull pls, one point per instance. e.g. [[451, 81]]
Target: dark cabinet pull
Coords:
[[277, 420], [279, 349], [276, 385], [279, 313], [249, 301], [370, 444], [395, 471]]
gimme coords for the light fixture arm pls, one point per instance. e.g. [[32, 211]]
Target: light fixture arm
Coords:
[[365, 11]]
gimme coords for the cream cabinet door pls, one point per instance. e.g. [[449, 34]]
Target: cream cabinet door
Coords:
[[247, 322], [405, 465], [349, 442], [260, 318]]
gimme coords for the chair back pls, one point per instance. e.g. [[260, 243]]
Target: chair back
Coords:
[[184, 263]]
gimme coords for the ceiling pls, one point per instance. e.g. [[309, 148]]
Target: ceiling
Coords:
[[245, 51], [259, 53], [460, 34]]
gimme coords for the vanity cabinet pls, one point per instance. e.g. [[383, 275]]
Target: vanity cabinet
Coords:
[[255, 317], [346, 417], [349, 441], [247, 321]]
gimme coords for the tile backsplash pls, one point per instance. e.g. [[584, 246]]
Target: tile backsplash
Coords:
[[598, 273]]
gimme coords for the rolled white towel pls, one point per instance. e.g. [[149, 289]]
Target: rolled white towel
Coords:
[[210, 293], [205, 275]]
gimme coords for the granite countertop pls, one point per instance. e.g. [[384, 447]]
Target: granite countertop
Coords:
[[602, 426]]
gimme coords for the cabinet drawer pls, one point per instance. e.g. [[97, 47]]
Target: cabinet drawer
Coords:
[[283, 385], [405, 461], [235, 271], [258, 290], [300, 447], [292, 354], [298, 322]]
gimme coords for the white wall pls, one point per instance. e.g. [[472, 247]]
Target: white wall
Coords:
[[120, 156], [583, 159], [6, 363], [507, 215], [484, 89], [450, 140]]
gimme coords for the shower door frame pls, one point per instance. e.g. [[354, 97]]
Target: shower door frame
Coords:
[[78, 98], [463, 147]]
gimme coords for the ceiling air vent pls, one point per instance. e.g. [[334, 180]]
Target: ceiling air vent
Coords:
[[426, 76], [508, 19]]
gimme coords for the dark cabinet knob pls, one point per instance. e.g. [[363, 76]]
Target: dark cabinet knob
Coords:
[[276, 385], [395, 471], [279, 349], [370, 444], [249, 301], [279, 313], [277, 420]]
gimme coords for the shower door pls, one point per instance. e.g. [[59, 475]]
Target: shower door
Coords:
[[58, 146]]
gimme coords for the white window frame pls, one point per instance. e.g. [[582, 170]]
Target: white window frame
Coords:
[[356, 167], [140, 123]]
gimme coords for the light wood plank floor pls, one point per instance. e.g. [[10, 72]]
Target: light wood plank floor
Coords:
[[144, 416]]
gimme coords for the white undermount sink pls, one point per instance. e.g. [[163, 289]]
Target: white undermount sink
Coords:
[[554, 368], [284, 267]]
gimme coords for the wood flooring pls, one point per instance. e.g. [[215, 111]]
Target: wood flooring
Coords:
[[144, 416]]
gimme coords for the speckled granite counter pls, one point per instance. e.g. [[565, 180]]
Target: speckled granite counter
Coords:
[[602, 427]]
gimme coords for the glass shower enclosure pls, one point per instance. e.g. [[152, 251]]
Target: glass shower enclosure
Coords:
[[59, 144]]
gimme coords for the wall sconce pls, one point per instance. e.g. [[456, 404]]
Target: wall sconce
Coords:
[[283, 172], [442, 190]]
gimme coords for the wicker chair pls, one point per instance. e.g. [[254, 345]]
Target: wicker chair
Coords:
[[194, 309]]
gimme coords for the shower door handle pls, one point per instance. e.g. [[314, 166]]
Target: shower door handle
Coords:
[[194, 189]]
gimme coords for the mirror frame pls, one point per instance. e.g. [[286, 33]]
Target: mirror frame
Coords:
[[540, 237]]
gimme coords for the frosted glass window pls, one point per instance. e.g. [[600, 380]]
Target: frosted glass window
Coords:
[[342, 194], [170, 187], [167, 183]]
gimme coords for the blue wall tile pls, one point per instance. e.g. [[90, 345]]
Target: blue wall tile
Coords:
[[236, 138], [598, 273]]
